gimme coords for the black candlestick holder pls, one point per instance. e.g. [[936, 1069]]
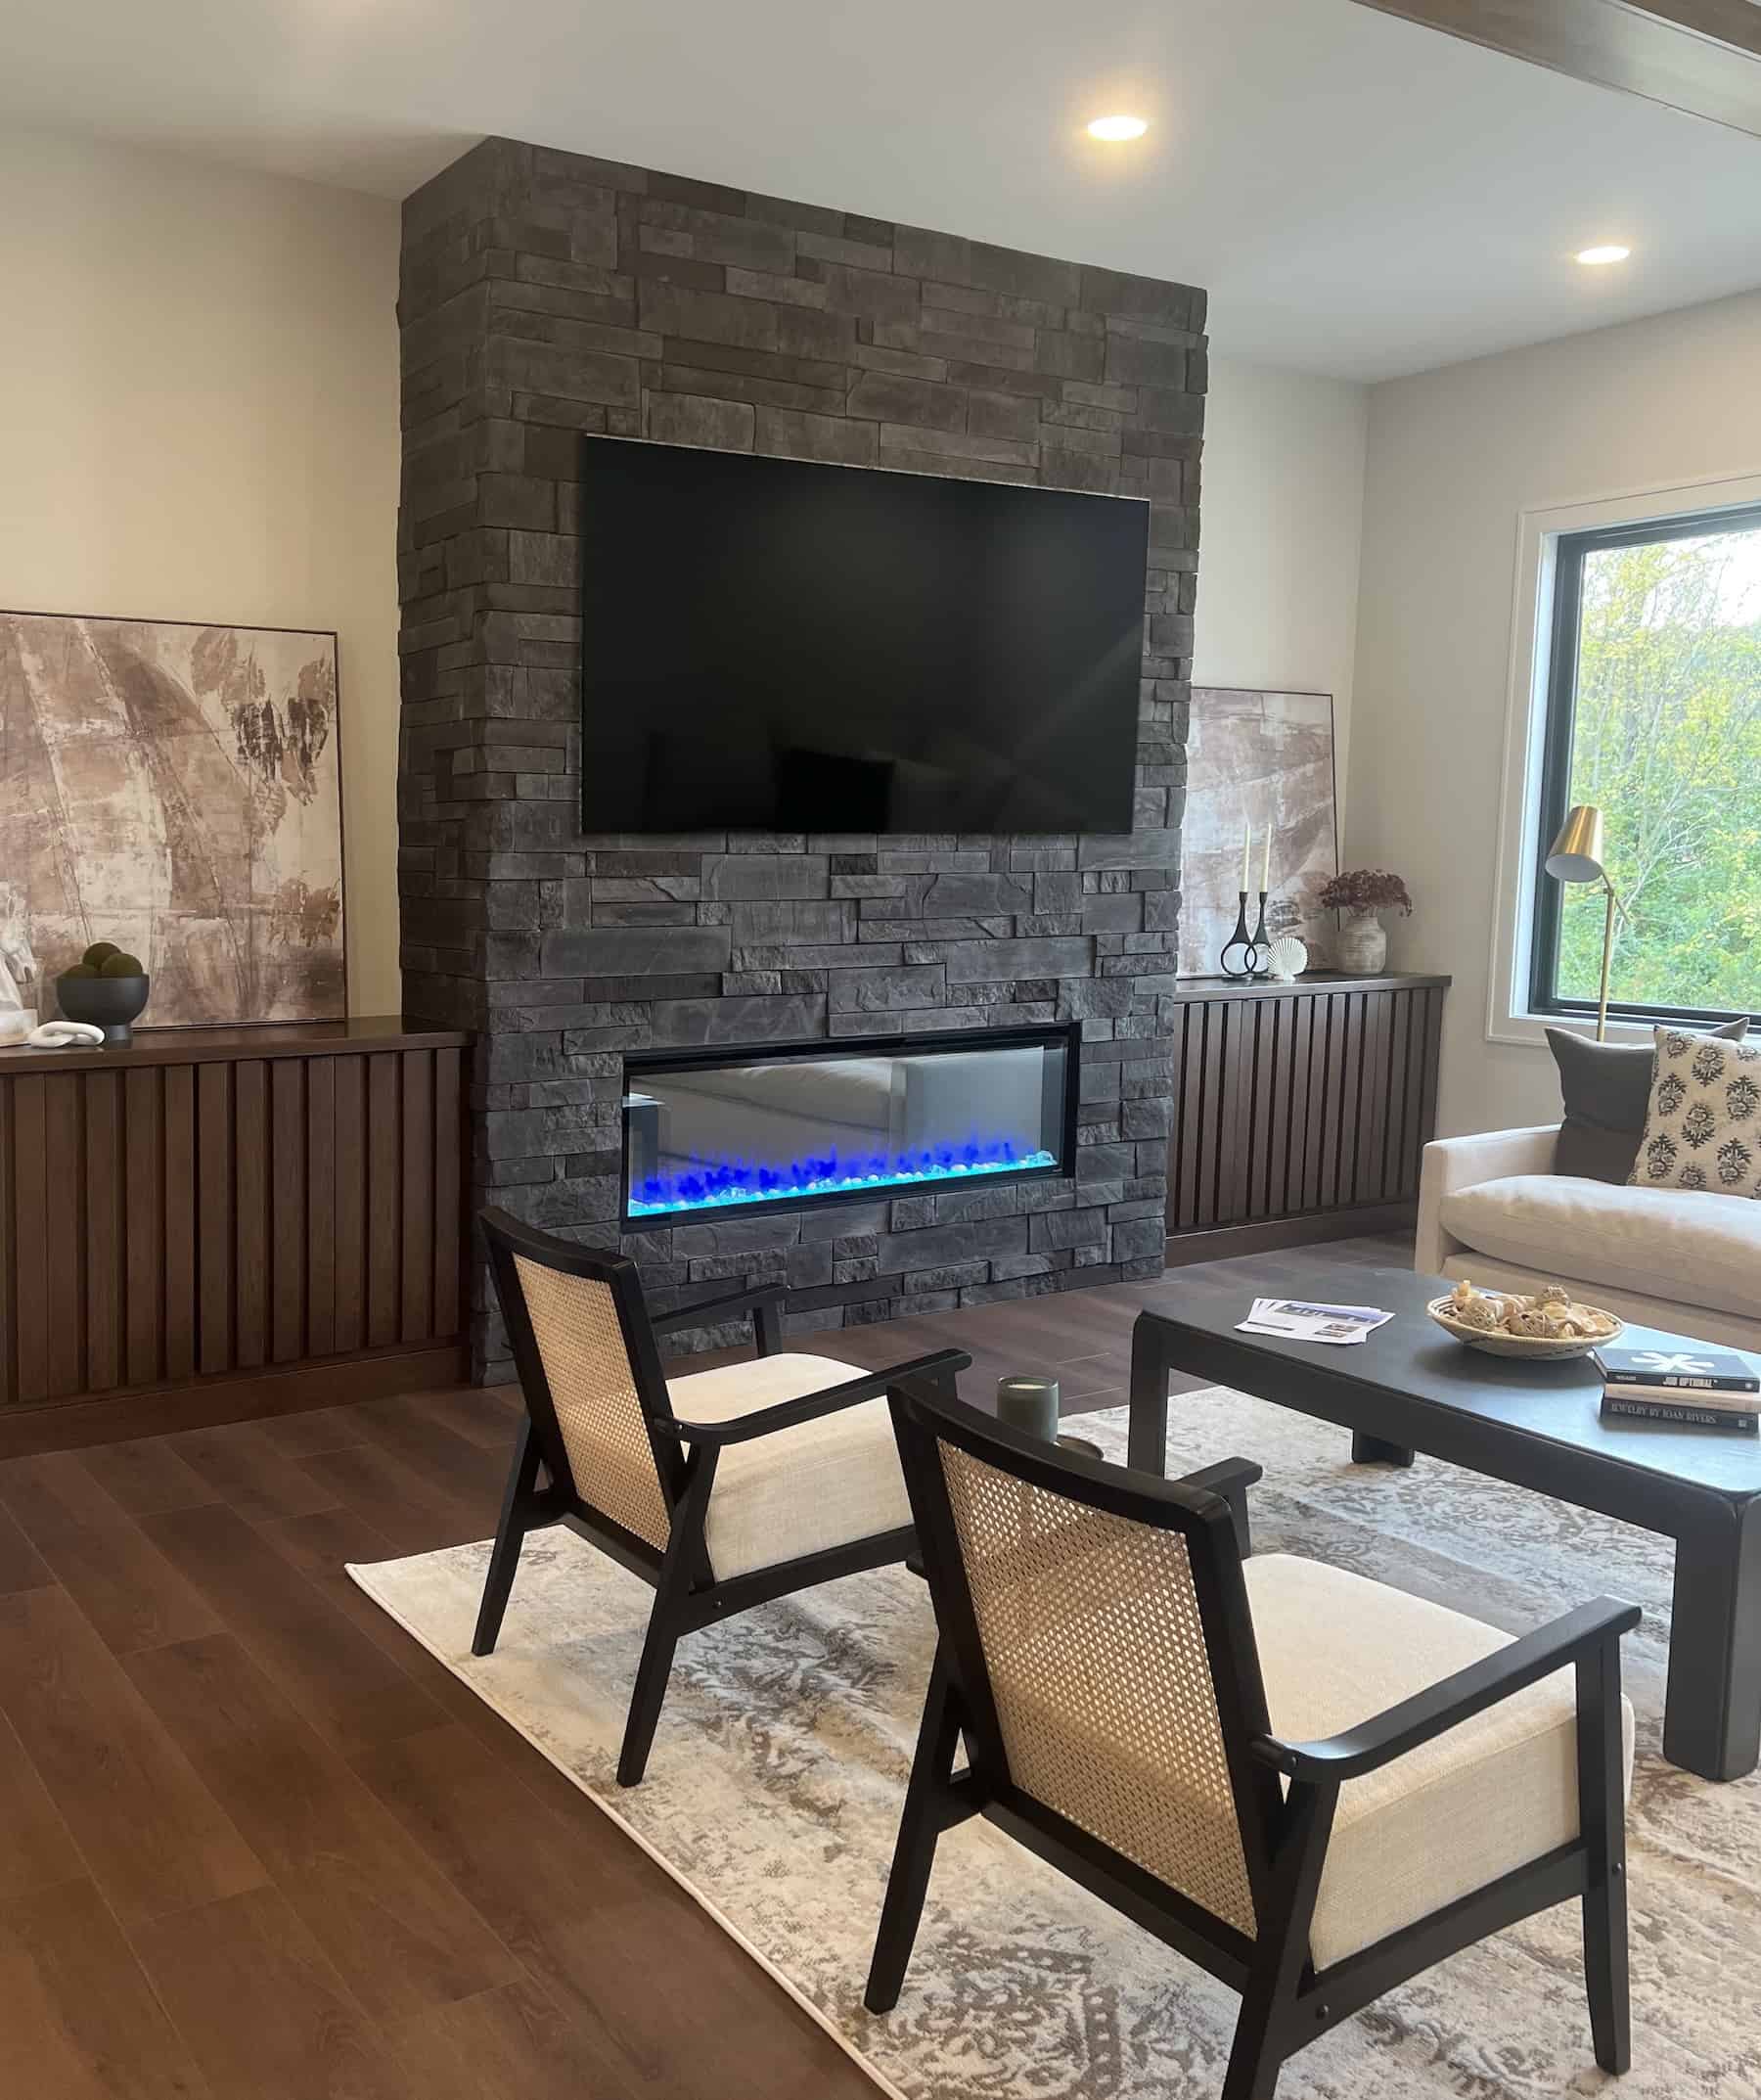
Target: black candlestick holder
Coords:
[[1262, 940], [1247, 955]]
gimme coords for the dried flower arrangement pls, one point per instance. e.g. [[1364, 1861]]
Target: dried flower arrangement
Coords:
[[1366, 890]]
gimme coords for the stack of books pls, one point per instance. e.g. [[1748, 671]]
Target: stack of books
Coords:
[[1697, 1389]]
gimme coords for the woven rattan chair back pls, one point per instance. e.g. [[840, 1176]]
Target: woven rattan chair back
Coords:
[[589, 1369], [1095, 1656], [1106, 1642], [592, 1383]]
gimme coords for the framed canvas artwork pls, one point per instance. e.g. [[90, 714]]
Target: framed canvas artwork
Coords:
[[177, 789], [1265, 761]]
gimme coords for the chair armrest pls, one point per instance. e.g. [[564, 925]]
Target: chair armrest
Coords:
[[1230, 1477], [762, 1302], [809, 1407], [1441, 1707], [1227, 1478], [1463, 1162]]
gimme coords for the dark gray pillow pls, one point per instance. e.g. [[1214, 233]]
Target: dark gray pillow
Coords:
[[1605, 1088]]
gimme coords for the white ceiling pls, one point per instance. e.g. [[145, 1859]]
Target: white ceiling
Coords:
[[1361, 197]]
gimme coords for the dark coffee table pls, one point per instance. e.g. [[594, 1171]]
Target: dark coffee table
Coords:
[[1408, 1387]]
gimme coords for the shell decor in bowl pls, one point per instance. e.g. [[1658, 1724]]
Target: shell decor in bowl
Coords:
[[1547, 1326], [1286, 959]]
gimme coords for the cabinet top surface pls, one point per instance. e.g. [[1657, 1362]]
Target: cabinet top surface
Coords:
[[1310, 981], [203, 1046]]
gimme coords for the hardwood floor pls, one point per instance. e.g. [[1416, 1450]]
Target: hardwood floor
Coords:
[[256, 1844]]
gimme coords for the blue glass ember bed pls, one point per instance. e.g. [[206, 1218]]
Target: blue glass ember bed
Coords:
[[710, 1134]]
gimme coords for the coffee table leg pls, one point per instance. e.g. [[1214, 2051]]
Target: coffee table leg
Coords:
[[1367, 1450], [1147, 1444], [1712, 1714]]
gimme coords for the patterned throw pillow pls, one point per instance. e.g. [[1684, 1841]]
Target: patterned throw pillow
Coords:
[[1703, 1128]]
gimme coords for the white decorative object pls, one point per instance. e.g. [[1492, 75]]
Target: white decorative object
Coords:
[[65, 1035], [1288, 958]]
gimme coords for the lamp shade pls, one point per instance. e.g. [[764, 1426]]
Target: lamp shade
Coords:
[[1576, 855]]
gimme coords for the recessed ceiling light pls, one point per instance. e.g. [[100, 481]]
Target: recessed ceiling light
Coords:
[[1610, 251], [1117, 128]]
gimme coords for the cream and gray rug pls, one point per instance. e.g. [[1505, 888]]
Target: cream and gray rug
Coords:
[[773, 1792]]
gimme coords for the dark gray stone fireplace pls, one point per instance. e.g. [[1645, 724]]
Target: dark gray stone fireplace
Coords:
[[545, 294]]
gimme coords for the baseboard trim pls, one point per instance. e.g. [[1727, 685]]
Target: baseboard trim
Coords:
[[73, 1425], [1271, 1235]]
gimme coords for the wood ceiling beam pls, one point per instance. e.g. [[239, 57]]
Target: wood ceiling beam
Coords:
[[1703, 57]]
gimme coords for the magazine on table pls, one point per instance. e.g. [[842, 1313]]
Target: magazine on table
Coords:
[[1301, 1319]]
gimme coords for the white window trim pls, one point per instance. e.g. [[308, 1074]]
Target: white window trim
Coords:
[[1538, 532]]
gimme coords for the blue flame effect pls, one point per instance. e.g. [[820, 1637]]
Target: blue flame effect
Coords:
[[709, 1186]]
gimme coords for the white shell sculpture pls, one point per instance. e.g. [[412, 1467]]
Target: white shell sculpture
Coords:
[[1287, 957]]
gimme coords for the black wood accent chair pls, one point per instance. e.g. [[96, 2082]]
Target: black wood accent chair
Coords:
[[1194, 1736], [723, 1489]]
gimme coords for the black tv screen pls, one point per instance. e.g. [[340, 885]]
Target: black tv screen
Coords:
[[777, 644]]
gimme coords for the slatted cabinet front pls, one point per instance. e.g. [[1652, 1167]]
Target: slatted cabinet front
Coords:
[[164, 1221], [1300, 1102]]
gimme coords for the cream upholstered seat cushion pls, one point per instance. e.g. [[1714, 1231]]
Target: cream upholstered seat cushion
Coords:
[[1450, 1816], [1688, 1246], [798, 1491]]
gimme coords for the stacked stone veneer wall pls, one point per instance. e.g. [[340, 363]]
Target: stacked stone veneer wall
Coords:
[[545, 296]]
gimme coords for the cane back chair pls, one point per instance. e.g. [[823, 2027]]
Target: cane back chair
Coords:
[[723, 1489], [1190, 1734]]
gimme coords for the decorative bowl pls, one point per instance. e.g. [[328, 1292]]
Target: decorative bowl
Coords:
[[1537, 1348], [111, 1003]]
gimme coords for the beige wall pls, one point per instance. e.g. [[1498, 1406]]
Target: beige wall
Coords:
[[198, 420], [1278, 563], [1454, 456]]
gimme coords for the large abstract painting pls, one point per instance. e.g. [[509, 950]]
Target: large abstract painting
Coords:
[[1265, 760], [175, 789]]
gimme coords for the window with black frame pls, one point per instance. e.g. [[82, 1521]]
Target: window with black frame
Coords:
[[1653, 701]]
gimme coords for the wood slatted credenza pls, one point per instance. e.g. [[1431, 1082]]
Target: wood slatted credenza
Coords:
[[1300, 1109], [212, 1224]]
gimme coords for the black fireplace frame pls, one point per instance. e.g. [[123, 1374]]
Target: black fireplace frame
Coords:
[[1066, 1035]]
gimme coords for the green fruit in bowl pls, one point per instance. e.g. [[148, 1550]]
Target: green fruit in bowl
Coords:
[[120, 963], [81, 970], [99, 953]]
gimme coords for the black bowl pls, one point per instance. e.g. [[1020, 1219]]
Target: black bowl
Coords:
[[110, 1003]]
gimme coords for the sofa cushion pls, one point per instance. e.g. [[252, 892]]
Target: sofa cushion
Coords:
[[1606, 1091], [1703, 1127], [1683, 1244], [1473, 1804]]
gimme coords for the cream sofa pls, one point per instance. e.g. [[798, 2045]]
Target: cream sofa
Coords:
[[1491, 1209]]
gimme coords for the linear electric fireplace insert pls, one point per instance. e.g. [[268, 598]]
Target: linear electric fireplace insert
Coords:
[[709, 1133]]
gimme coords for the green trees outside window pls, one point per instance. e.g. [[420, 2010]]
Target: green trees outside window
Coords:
[[1655, 717]]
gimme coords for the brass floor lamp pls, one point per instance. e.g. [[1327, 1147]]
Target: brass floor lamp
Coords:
[[1577, 856]]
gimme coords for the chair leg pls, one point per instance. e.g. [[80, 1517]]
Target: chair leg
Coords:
[[1262, 2038], [1254, 2067], [1605, 1974], [646, 1699], [1601, 1809], [686, 1562], [915, 1853], [509, 1536]]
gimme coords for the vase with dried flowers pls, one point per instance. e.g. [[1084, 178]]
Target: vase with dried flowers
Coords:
[[1361, 896]]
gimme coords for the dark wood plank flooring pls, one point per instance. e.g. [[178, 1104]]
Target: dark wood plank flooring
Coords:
[[258, 1846]]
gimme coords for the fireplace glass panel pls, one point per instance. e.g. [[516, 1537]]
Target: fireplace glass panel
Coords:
[[806, 1126]]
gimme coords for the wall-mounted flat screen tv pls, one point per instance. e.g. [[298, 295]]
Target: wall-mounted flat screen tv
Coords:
[[777, 644]]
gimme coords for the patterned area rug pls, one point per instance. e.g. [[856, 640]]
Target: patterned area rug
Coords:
[[774, 1793]]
